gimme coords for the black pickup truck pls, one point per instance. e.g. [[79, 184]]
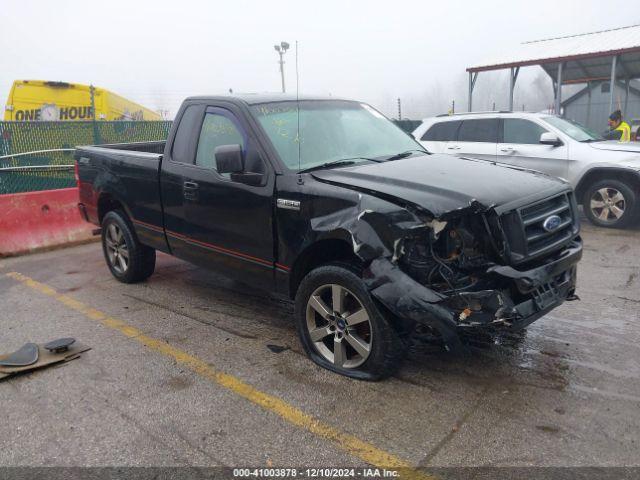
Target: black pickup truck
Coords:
[[327, 202]]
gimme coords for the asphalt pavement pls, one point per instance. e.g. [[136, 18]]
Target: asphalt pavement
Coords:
[[189, 368]]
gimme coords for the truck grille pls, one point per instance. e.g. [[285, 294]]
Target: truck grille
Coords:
[[525, 227]]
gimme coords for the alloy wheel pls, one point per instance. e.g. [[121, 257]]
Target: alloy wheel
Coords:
[[117, 250], [339, 326], [607, 204]]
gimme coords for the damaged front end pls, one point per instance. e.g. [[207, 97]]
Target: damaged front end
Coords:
[[464, 269]]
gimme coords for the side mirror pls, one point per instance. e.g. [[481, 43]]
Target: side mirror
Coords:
[[548, 138], [229, 159]]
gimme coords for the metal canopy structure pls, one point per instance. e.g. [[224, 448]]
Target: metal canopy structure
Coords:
[[605, 55]]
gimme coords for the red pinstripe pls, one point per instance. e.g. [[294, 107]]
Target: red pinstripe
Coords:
[[214, 247]]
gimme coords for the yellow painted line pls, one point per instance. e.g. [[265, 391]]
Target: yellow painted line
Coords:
[[349, 443]]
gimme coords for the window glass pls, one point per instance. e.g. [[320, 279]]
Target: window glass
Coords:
[[216, 130], [182, 150], [330, 130], [518, 130], [574, 129], [442, 132], [480, 130]]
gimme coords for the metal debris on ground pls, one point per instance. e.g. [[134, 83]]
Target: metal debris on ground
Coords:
[[32, 356]]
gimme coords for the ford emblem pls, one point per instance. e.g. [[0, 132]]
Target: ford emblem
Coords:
[[551, 223]]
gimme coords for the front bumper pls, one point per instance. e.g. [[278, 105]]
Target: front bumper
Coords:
[[525, 296], [519, 298]]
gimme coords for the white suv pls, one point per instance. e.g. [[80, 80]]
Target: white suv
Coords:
[[605, 174]]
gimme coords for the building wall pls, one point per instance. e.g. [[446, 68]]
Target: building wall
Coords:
[[595, 116]]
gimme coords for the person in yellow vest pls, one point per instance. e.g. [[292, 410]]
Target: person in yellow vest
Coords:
[[618, 128]]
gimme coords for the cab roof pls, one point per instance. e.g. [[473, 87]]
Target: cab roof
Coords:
[[256, 98]]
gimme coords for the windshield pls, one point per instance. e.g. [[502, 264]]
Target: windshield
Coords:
[[574, 129], [330, 130]]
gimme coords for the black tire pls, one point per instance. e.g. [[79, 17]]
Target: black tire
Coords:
[[385, 348], [141, 260], [603, 191]]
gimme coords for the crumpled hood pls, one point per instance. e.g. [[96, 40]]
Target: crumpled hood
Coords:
[[441, 184]]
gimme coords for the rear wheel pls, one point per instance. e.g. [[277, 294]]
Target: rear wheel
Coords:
[[128, 260], [342, 329], [610, 204]]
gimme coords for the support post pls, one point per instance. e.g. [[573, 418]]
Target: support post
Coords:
[[626, 95], [612, 84], [472, 83], [589, 87], [558, 105], [512, 83]]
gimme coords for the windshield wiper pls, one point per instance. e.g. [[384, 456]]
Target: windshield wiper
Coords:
[[591, 140], [336, 163], [405, 154]]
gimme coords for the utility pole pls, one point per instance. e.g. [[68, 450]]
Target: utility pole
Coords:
[[282, 49], [399, 110]]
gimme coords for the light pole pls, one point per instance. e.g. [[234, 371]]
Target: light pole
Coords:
[[282, 49]]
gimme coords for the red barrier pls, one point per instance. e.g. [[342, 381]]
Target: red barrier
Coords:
[[35, 220]]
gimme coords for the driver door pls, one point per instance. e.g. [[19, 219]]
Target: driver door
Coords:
[[227, 225]]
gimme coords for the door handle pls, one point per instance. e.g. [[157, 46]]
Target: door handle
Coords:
[[190, 190], [508, 149], [453, 147]]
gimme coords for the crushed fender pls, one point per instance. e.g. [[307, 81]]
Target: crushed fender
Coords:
[[380, 232]]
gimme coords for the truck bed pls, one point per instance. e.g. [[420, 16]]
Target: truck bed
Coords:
[[130, 172]]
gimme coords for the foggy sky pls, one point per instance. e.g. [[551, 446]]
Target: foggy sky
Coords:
[[157, 53]]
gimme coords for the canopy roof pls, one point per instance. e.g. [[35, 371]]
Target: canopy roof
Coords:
[[586, 57]]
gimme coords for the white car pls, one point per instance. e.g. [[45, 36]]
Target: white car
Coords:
[[604, 174]]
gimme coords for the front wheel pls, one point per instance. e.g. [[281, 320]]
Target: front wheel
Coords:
[[128, 260], [610, 204], [342, 329]]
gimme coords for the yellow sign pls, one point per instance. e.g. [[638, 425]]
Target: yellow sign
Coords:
[[38, 100]]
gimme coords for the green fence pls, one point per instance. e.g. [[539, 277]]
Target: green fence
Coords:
[[44, 169]]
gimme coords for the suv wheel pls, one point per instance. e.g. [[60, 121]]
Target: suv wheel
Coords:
[[610, 203], [341, 328], [128, 260]]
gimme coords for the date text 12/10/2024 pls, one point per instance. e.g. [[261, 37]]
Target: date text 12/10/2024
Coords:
[[314, 473]]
